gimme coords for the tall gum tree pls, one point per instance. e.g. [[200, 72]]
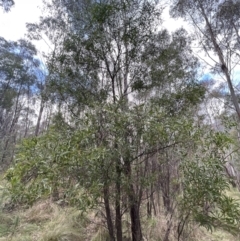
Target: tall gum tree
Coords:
[[216, 23], [17, 80], [97, 51]]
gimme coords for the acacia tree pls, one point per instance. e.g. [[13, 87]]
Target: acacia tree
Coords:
[[216, 26]]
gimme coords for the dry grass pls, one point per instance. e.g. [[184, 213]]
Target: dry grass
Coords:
[[155, 228], [41, 212], [46, 221]]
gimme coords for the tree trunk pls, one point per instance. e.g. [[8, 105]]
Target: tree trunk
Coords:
[[39, 118], [12, 126], [118, 222], [135, 216], [133, 203], [222, 62], [108, 213]]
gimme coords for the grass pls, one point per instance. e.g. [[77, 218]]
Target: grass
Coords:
[[46, 221]]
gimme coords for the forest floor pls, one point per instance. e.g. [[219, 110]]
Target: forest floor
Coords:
[[48, 221]]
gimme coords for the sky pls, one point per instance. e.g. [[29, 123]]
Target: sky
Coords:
[[13, 23]]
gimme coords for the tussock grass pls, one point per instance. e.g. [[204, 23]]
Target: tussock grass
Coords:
[[100, 235], [46, 221], [66, 224], [154, 228]]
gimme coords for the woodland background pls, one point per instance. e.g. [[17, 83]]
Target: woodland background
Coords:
[[125, 130]]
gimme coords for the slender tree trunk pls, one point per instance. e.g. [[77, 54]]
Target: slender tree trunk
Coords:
[[118, 217], [149, 204], [133, 203], [108, 213], [26, 124], [118, 222], [165, 184], [27, 115], [222, 62], [39, 118], [13, 123], [135, 216]]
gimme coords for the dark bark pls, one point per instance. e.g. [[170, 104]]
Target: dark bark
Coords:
[[166, 237], [108, 213], [15, 118], [133, 206], [118, 222], [135, 216], [165, 184], [150, 204]]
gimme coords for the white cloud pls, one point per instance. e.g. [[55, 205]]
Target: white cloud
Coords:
[[13, 23], [172, 24]]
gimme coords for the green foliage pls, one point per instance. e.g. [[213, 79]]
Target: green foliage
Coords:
[[70, 159], [205, 183], [74, 165], [50, 166], [102, 11], [7, 100]]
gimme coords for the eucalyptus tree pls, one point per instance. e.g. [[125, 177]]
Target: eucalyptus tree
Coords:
[[98, 45], [17, 80], [216, 29], [98, 49]]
